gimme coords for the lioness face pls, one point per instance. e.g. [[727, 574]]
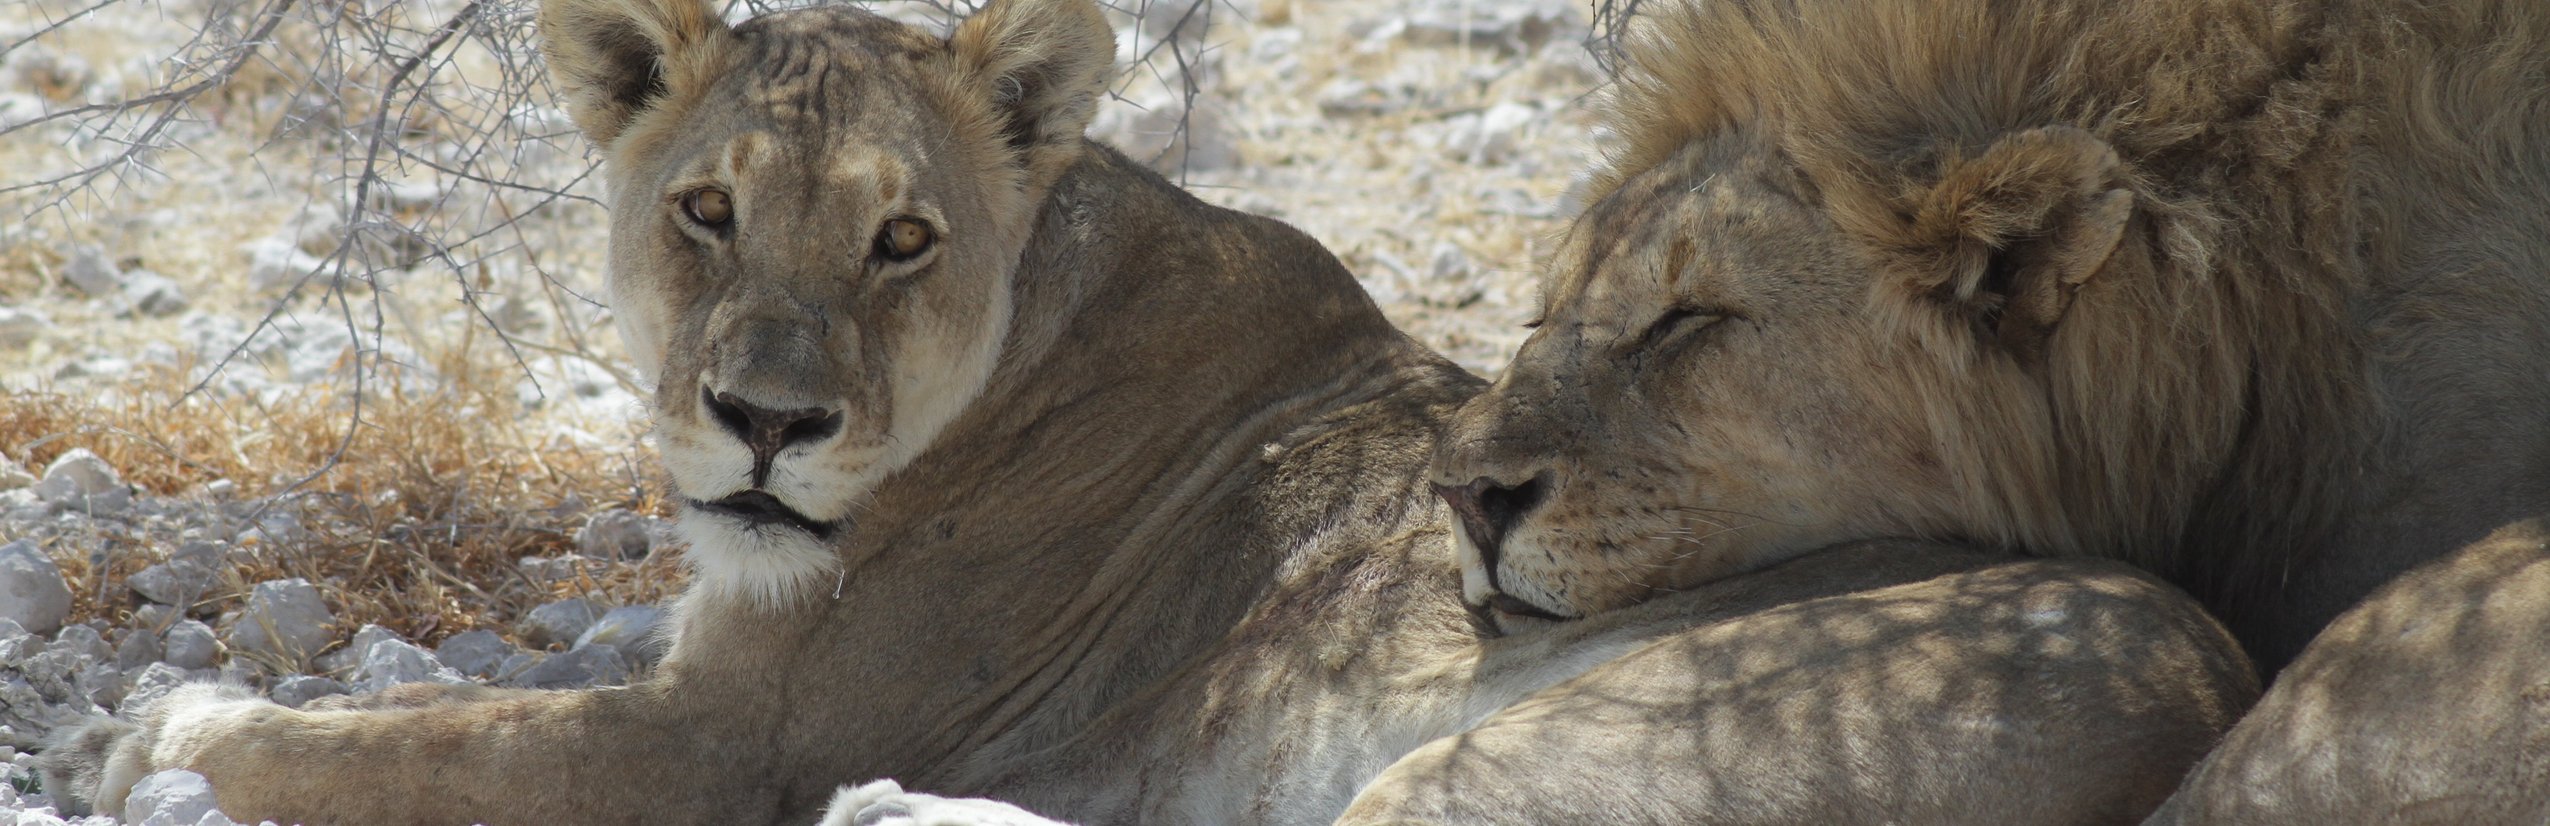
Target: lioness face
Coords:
[[816, 216], [1703, 396]]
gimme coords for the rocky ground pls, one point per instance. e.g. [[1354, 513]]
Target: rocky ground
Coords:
[[149, 538]]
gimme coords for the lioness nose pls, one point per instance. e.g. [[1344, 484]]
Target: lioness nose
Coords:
[[1488, 510], [765, 430]]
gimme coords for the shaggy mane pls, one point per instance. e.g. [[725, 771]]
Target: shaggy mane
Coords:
[[2207, 401], [1854, 84], [2203, 408]]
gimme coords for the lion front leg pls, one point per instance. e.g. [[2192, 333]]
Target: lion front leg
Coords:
[[2028, 692], [602, 756]]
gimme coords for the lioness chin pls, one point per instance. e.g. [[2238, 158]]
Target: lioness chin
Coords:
[[1012, 470]]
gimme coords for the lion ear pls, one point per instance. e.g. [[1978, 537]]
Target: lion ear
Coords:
[[1044, 63], [2014, 232], [613, 59]]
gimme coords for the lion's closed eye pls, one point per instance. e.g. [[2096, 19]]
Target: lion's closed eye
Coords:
[[1675, 324]]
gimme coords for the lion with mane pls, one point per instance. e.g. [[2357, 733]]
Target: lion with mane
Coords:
[[2254, 294]]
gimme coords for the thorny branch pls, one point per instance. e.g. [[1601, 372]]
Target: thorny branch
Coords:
[[144, 139]]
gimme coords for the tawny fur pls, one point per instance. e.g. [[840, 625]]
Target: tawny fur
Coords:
[[1123, 518], [2428, 703]]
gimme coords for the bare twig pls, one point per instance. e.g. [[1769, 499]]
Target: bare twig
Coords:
[[172, 103]]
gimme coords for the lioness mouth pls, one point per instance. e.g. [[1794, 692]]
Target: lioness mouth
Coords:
[[759, 508]]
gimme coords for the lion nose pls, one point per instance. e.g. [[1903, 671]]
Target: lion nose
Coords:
[[1488, 509], [767, 431]]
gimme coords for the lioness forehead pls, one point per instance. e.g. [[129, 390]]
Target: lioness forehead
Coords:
[[831, 170], [849, 34], [831, 64]]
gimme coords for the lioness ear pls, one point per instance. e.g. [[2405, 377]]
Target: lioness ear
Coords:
[[1044, 63], [613, 59], [2013, 233]]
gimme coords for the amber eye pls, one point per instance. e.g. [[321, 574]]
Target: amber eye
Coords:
[[903, 239], [712, 208]]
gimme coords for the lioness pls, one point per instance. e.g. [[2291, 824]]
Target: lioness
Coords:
[[1012, 470], [2253, 293], [2428, 703]]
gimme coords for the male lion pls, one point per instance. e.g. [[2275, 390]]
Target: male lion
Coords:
[[2252, 293], [1012, 470]]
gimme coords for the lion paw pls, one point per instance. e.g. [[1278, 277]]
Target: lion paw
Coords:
[[81, 766], [885, 803], [91, 767]]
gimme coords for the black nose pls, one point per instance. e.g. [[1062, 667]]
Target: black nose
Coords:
[[767, 431], [1488, 510]]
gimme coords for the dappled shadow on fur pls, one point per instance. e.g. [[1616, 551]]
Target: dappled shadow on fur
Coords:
[[2014, 692], [2429, 703]]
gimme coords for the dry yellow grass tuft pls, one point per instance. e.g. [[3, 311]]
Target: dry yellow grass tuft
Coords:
[[414, 519]]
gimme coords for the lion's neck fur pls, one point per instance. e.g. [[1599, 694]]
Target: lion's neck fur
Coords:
[[1166, 360]]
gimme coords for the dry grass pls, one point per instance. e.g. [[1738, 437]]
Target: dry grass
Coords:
[[415, 525]]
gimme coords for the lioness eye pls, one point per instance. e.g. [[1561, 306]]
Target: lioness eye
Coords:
[[712, 208], [903, 239]]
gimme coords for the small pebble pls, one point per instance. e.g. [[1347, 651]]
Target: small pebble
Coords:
[[394, 661], [283, 617], [152, 294], [156, 617], [84, 641], [139, 648], [346, 658], [176, 582], [175, 797], [154, 682], [32, 591], [299, 689], [21, 327], [101, 683], [558, 622], [617, 533], [479, 653], [632, 630], [190, 644], [85, 472], [580, 668], [88, 269]]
